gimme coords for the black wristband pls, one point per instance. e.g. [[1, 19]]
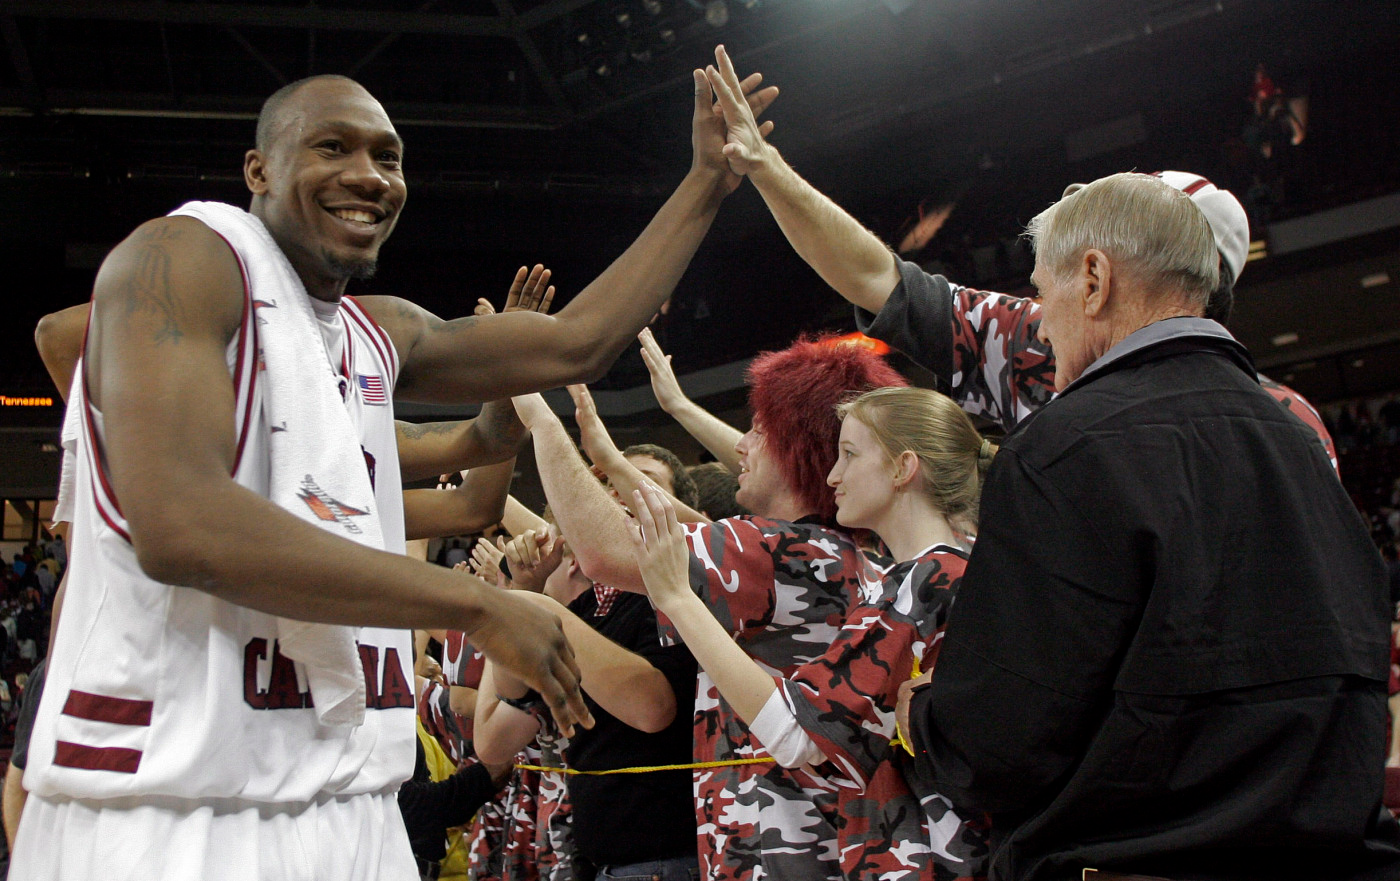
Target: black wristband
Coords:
[[530, 701]]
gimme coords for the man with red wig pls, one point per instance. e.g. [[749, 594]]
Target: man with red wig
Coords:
[[781, 582]]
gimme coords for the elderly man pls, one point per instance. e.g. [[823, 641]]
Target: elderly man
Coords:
[[1169, 654]]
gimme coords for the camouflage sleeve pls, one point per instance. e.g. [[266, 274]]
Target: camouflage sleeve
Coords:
[[732, 571], [982, 346], [845, 700], [1299, 406]]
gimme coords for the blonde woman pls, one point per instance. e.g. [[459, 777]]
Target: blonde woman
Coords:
[[909, 469]]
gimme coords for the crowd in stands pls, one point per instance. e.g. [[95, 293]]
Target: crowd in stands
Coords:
[[1367, 433], [31, 581]]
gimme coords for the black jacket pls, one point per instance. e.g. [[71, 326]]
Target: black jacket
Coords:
[[1169, 653]]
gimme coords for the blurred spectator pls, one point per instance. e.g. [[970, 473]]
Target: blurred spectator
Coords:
[[715, 486], [1390, 418]]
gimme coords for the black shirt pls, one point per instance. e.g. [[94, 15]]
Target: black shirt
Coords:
[[431, 808], [630, 818], [28, 710], [1169, 654]]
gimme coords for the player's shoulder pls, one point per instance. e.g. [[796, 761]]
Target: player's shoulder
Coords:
[[176, 236], [177, 265]]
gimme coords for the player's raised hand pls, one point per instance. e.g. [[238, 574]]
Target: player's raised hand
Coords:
[[529, 643], [710, 132], [530, 292]]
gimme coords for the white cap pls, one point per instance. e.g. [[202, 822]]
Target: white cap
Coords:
[[1227, 218], [1223, 211]]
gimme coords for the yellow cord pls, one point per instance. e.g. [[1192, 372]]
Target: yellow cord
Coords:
[[647, 768], [899, 739]]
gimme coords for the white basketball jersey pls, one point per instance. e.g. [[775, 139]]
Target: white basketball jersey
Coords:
[[157, 690]]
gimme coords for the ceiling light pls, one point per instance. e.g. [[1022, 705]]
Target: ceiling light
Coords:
[[652, 7], [583, 38], [667, 36], [717, 13], [1375, 280], [624, 18], [601, 68], [1285, 339]]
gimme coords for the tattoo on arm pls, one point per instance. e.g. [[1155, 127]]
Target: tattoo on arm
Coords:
[[149, 289], [419, 430], [453, 326]]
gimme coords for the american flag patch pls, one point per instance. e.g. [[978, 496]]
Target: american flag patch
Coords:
[[371, 389]]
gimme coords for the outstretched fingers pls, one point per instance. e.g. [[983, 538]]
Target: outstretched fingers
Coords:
[[646, 523], [534, 292], [662, 512], [517, 284]]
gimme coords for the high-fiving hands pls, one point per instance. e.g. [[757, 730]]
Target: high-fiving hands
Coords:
[[528, 642], [533, 557], [710, 125], [486, 560], [744, 136]]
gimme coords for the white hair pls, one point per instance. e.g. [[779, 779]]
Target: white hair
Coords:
[[1147, 226]]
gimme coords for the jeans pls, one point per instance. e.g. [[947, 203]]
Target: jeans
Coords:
[[673, 869]]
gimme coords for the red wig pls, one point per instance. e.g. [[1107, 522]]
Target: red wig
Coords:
[[793, 396]]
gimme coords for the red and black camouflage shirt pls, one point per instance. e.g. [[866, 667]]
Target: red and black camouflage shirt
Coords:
[[845, 701], [782, 591]]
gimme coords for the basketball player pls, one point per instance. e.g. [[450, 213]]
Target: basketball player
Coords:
[[179, 739]]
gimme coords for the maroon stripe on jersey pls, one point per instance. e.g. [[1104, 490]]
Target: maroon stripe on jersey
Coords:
[[1200, 182], [97, 758], [248, 387], [377, 337], [247, 357], [383, 334], [101, 492], [103, 708]]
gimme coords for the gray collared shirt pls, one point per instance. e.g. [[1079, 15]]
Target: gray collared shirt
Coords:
[[1153, 334]]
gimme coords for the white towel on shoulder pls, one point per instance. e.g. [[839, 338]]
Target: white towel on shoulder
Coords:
[[318, 468]]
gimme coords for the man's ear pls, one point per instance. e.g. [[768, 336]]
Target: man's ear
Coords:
[[1095, 282], [255, 172]]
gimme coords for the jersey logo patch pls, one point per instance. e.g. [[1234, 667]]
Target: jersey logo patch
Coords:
[[327, 508], [372, 389]]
